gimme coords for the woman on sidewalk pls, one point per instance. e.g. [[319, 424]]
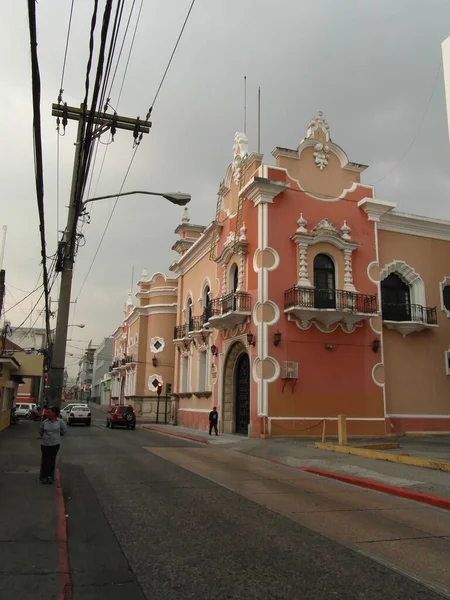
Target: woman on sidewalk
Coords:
[[51, 431]]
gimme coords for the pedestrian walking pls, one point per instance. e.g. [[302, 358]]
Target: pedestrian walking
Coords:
[[51, 431], [213, 420]]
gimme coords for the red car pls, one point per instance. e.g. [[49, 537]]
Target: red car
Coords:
[[121, 416]]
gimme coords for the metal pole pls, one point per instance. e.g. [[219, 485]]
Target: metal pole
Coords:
[[157, 409], [165, 409], [56, 373]]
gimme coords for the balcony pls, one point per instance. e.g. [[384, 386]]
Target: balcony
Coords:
[[407, 318], [181, 332], [200, 325], [328, 307], [229, 311]]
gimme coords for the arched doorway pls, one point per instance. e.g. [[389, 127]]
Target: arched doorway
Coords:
[[235, 405], [242, 394]]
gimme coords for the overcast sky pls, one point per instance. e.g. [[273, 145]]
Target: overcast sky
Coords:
[[371, 67]]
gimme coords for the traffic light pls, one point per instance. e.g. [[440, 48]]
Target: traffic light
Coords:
[[159, 388], [168, 389]]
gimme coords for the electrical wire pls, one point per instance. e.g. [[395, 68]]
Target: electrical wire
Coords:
[[170, 60], [65, 52], [38, 157], [24, 298], [123, 43], [107, 223]]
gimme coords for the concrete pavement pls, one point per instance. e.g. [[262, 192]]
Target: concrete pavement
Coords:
[[28, 527], [196, 521], [152, 516]]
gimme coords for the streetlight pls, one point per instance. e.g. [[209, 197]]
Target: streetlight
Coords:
[[81, 326], [175, 197]]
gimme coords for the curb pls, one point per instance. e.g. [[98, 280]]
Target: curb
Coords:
[[403, 459], [185, 436], [65, 582], [436, 501]]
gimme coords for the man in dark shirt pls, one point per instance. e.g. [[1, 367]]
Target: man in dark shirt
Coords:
[[213, 419]]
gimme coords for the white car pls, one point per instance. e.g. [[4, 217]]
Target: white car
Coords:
[[79, 413], [64, 414], [24, 409]]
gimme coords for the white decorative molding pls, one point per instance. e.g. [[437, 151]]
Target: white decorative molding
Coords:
[[325, 225], [321, 154], [202, 347], [318, 123], [241, 272], [348, 274], [345, 230], [243, 233], [240, 152], [301, 224], [375, 209], [303, 276], [397, 222], [408, 276], [157, 344], [151, 382], [444, 283]]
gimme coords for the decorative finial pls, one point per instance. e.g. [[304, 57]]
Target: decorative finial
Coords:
[[242, 233], [318, 123], [346, 231], [240, 152], [302, 222], [129, 301], [144, 274], [185, 218]]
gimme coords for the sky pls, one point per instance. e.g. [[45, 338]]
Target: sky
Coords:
[[373, 68]]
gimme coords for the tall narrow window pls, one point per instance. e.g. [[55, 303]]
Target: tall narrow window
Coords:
[[206, 304], [184, 373], [446, 296], [234, 277], [189, 321], [202, 359], [395, 299], [324, 282]]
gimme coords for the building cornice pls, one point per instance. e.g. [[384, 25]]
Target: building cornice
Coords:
[[196, 252], [160, 291], [407, 224], [375, 209]]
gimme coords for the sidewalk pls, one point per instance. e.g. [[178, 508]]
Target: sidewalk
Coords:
[[31, 553], [301, 454]]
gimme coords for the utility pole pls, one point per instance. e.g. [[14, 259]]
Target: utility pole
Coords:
[[67, 248]]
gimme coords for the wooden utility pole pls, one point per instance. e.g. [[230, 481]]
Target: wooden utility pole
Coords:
[[67, 248]]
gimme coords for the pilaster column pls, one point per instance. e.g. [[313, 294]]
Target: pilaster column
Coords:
[[241, 272], [224, 280], [348, 274], [303, 277]]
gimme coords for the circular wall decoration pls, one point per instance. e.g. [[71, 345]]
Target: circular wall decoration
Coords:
[[153, 382], [157, 344]]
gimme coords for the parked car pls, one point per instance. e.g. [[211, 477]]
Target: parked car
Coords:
[[121, 416], [23, 410], [79, 413]]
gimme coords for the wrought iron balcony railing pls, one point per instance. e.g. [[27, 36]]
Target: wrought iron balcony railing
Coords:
[[409, 312], [233, 302], [330, 299]]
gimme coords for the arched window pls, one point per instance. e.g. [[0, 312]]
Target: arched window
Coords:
[[395, 299], [324, 282], [234, 278], [189, 319], [206, 304], [446, 296]]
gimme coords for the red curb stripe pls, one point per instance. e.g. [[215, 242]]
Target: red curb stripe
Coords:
[[65, 583], [180, 435], [437, 501]]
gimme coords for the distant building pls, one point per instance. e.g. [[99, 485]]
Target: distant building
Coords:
[[85, 373], [102, 361]]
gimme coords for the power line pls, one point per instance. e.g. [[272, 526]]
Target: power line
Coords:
[[24, 298], [38, 158], [107, 223], [170, 60], [65, 53]]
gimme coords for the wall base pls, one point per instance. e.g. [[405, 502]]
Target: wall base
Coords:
[[421, 424]]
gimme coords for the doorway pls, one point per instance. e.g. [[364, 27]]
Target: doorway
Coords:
[[242, 387]]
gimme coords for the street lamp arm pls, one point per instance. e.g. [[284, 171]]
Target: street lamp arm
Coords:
[[176, 198]]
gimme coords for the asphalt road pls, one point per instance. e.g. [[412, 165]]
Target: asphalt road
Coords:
[[141, 527]]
